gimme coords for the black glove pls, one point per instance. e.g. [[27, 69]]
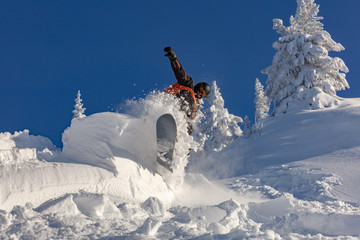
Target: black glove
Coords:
[[170, 53]]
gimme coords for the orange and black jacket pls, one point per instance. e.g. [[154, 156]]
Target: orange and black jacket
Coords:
[[183, 89]]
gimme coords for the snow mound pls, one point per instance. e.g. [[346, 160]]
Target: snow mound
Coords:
[[99, 139], [21, 147], [32, 173], [23, 139], [41, 181], [105, 153], [17, 156], [98, 216]]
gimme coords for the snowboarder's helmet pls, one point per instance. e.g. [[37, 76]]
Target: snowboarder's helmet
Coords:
[[203, 88]]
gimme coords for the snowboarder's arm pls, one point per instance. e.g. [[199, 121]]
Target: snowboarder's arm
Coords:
[[181, 75]]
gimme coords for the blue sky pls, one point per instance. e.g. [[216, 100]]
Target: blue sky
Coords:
[[113, 51]]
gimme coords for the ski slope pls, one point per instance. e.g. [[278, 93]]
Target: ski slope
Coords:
[[297, 180]]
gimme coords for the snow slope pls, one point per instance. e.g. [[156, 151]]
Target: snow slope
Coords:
[[290, 137], [298, 180]]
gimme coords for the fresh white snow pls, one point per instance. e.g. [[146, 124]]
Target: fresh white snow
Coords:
[[299, 179]]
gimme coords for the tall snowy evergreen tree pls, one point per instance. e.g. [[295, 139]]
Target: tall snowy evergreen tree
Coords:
[[262, 105], [78, 108], [261, 102], [302, 72], [220, 127]]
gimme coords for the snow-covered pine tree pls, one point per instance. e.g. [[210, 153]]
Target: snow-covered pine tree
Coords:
[[220, 127], [302, 71], [262, 105], [247, 126], [78, 108], [261, 102]]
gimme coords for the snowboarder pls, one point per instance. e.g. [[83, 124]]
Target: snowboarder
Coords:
[[184, 88]]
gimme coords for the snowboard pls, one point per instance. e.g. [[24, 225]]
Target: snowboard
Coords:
[[166, 137]]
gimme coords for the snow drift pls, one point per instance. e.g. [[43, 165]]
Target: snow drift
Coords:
[[99, 139], [107, 153]]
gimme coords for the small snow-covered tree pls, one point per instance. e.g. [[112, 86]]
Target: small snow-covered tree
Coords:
[[220, 127], [302, 71], [247, 126], [78, 108], [262, 105]]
